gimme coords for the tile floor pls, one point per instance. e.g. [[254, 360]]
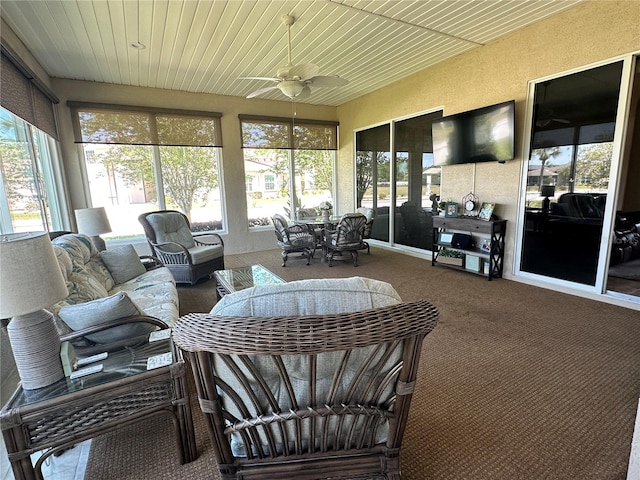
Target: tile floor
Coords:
[[70, 465]]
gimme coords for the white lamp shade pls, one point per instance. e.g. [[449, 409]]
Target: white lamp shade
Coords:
[[30, 277], [92, 221]]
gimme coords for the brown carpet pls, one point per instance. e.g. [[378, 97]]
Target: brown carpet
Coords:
[[517, 382]]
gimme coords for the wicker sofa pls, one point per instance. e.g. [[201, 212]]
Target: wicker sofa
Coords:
[[92, 277]]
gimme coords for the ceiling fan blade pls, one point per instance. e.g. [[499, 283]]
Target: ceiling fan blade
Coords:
[[306, 93], [304, 71], [261, 91], [271, 79], [327, 81]]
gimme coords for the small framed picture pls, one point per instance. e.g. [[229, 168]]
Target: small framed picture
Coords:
[[451, 209], [486, 211], [445, 238], [485, 246]]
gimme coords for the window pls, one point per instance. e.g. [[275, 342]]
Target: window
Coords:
[[28, 193], [294, 161], [139, 160], [269, 182], [31, 187]]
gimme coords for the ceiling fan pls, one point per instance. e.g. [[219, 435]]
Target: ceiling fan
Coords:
[[295, 81]]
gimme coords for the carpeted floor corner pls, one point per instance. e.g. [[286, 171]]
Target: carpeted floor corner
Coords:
[[516, 382]]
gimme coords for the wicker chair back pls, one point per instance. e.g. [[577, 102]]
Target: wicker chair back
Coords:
[[347, 237], [307, 397]]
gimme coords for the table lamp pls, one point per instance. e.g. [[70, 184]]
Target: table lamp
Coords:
[[30, 280], [93, 222]]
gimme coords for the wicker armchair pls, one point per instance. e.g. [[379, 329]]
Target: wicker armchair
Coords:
[[347, 237], [189, 257], [294, 238], [307, 397]]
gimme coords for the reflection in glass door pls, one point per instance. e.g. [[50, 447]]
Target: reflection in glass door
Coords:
[[568, 173]]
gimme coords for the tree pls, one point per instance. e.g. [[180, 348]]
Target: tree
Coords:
[[365, 171], [544, 154], [594, 163], [16, 168]]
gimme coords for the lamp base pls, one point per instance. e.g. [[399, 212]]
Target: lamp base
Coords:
[[36, 348]]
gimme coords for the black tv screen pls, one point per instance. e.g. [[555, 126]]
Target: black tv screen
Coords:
[[485, 134]]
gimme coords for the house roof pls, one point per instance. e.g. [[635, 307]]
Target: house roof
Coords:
[[205, 46]]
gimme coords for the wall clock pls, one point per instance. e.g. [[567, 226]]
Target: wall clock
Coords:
[[471, 205]]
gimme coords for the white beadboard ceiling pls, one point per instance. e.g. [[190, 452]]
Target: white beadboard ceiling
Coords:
[[204, 45]]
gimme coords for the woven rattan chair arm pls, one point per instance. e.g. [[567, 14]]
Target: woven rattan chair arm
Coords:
[[218, 239], [322, 411], [303, 334], [113, 323], [183, 253]]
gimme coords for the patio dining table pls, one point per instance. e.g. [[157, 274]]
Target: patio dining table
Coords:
[[319, 222]]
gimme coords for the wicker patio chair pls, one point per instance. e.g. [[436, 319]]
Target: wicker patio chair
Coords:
[[307, 397], [294, 238], [189, 257], [347, 237]]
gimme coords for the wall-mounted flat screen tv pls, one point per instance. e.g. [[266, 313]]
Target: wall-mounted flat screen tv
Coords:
[[485, 134]]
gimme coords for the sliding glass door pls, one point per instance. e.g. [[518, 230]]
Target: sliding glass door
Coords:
[[568, 188], [401, 188]]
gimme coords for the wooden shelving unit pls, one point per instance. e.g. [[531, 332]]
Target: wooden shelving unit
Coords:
[[494, 230]]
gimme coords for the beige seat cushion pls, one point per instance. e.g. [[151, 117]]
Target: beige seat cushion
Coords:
[[309, 297], [205, 253]]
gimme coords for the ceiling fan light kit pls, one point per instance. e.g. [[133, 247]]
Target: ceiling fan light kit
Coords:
[[295, 81], [291, 88]]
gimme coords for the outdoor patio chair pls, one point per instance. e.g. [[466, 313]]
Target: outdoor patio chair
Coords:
[[324, 395], [347, 237], [189, 257], [294, 238]]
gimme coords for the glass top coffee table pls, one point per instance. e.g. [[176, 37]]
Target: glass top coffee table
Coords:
[[228, 281]]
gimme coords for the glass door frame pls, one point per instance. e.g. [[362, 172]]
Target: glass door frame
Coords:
[[620, 135]]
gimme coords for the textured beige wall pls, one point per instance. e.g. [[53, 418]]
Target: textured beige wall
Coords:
[[239, 238], [500, 71]]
